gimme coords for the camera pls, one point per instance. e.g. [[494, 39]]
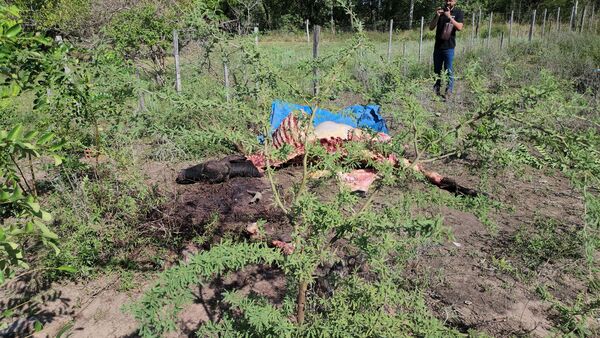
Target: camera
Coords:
[[446, 8]]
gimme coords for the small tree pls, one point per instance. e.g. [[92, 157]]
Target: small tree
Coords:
[[142, 33], [20, 213]]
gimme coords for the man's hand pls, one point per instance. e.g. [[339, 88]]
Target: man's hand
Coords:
[[448, 15], [436, 18]]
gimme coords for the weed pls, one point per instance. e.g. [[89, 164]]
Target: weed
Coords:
[[126, 281], [547, 243], [573, 320]]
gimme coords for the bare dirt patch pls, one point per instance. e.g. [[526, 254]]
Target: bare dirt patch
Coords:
[[468, 291]]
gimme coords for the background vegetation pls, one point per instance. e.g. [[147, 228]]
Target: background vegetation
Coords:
[[88, 99]]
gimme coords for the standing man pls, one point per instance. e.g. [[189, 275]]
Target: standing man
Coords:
[[447, 21]]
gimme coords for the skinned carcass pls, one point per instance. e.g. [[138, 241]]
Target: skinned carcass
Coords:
[[332, 136]]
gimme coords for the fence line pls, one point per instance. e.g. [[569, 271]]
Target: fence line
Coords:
[[421, 39], [316, 34], [489, 37], [389, 54], [581, 24], [176, 56], [532, 26]]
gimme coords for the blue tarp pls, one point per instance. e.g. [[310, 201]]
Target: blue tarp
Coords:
[[355, 116]]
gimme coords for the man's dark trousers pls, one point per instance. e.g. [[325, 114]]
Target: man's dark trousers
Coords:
[[443, 58]]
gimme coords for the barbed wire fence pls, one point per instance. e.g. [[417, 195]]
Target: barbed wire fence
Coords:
[[493, 30]]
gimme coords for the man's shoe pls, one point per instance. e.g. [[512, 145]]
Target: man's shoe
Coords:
[[436, 89], [448, 96]]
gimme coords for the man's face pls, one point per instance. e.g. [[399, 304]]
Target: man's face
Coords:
[[450, 3]]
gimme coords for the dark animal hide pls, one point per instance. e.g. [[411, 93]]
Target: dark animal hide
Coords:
[[451, 185], [218, 171]]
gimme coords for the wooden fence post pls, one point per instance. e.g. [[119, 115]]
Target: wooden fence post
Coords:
[[558, 19], [389, 54], [226, 80], [307, 33], [571, 19], [256, 36], [501, 40], [478, 24], [575, 15], [332, 22], [421, 40], [316, 33], [544, 22], [489, 37], [176, 54], [472, 28], [582, 19], [510, 25], [532, 25], [592, 22]]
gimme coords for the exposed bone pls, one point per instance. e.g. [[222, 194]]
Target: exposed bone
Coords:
[[253, 231], [256, 196], [287, 248]]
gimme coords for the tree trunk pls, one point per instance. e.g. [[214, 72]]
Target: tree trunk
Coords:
[[301, 302], [411, 13], [331, 19], [267, 16]]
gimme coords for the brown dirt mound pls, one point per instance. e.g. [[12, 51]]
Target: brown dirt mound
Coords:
[[223, 209]]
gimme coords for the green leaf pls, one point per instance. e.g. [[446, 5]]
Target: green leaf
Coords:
[[45, 231], [9, 312], [13, 31], [23, 265], [17, 194], [2, 235], [4, 196], [45, 138], [46, 216], [27, 145], [14, 231], [54, 247], [38, 326], [58, 146], [67, 268], [30, 135], [15, 132], [57, 160], [35, 206]]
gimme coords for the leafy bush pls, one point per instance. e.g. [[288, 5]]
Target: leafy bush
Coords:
[[291, 23], [142, 33], [21, 214], [67, 17]]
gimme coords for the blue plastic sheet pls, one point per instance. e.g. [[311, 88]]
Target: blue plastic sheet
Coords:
[[356, 116]]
